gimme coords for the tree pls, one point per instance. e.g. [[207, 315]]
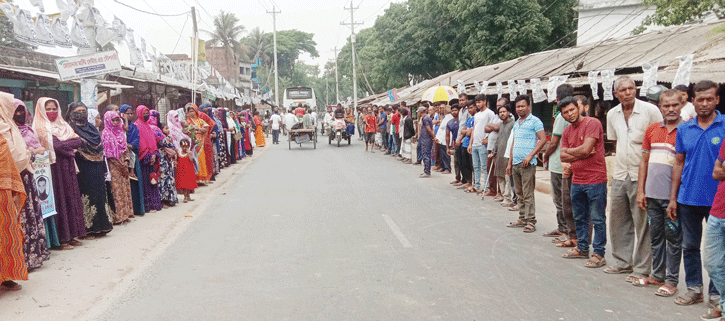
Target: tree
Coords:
[[677, 12], [256, 45], [225, 34], [290, 45]]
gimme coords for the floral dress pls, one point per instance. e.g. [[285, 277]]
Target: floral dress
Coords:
[[167, 173]]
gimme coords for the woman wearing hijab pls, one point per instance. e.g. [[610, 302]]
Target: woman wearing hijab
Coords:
[[259, 131], [231, 131], [167, 156], [248, 137], [149, 158], [115, 148], [12, 199], [208, 110], [203, 136], [239, 147], [221, 122], [31, 217], [133, 140], [56, 135], [90, 160]]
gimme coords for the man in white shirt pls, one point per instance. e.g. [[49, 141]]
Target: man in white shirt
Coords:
[[313, 118], [445, 159], [276, 121], [327, 120], [289, 120], [629, 232], [479, 142], [688, 111]]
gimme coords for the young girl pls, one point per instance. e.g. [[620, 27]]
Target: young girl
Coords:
[[185, 175]]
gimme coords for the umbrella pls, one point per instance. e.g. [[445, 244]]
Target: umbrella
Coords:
[[439, 93]]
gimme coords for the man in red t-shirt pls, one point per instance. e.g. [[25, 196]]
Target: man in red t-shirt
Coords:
[[396, 131], [582, 145], [370, 126]]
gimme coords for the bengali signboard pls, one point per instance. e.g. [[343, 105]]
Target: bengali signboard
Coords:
[[90, 65], [44, 184]]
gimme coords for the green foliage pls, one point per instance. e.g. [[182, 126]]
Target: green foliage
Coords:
[[226, 32], [677, 12], [421, 39]]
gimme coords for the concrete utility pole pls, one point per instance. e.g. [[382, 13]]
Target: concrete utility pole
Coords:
[[337, 81], [352, 25], [274, 13], [194, 55]]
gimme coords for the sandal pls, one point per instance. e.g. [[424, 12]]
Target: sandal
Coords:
[[575, 253], [690, 298], [11, 286], [516, 224], [596, 261], [530, 228], [75, 242], [631, 279], [666, 290], [554, 233], [561, 239], [65, 247], [567, 243], [616, 270], [471, 190], [647, 281], [714, 313]]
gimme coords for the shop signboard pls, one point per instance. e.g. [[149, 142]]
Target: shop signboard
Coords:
[[91, 65]]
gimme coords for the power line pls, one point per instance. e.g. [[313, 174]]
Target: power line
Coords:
[[182, 29], [376, 11], [151, 13], [164, 20]]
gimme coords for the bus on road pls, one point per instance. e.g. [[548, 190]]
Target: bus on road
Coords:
[[299, 95]]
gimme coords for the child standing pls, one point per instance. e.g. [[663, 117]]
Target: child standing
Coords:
[[185, 174]]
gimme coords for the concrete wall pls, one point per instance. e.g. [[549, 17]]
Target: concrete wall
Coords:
[[600, 20]]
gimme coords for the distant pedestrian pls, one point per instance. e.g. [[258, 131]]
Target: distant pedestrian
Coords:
[[276, 121], [408, 133], [426, 140], [370, 130]]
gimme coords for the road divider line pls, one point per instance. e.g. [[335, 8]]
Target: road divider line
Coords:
[[401, 237]]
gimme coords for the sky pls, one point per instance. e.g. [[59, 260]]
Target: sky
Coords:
[[172, 34]]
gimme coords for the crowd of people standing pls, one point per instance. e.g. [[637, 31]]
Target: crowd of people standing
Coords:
[[139, 163], [667, 175]]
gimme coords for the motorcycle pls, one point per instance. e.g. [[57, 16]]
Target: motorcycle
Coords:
[[339, 132]]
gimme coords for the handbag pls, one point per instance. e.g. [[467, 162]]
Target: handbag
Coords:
[[238, 136]]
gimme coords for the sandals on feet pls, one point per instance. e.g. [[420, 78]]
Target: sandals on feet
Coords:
[[648, 281], [516, 224], [666, 290], [554, 233], [617, 270], [714, 313], [576, 253], [530, 228], [596, 261], [567, 243], [11, 286], [690, 298]]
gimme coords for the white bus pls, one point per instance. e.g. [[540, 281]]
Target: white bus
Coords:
[[299, 95]]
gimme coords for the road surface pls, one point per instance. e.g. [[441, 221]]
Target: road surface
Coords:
[[340, 234]]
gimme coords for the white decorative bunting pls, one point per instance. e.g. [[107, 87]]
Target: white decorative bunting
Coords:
[[499, 89], [522, 87], [607, 84], [77, 36], [537, 90], [649, 77], [461, 88], [594, 84], [683, 71], [42, 31]]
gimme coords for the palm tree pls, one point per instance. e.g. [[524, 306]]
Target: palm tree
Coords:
[[256, 46], [225, 34]]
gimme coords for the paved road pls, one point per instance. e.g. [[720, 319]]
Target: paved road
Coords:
[[339, 234]]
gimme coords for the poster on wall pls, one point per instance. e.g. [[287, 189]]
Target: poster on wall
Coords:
[[44, 184]]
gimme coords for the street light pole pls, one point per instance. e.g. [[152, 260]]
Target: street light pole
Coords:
[[274, 13], [352, 43]]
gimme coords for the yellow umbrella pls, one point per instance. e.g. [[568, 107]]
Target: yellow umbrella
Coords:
[[439, 93]]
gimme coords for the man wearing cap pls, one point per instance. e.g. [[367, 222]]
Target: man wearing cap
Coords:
[[688, 112]]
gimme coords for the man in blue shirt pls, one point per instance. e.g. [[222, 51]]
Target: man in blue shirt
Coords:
[[426, 140], [467, 161], [383, 128], [693, 187], [529, 139]]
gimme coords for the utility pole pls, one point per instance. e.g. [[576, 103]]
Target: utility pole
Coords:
[[195, 55], [352, 25], [274, 13], [327, 90], [337, 81]]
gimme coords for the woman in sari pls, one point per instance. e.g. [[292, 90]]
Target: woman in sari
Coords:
[[115, 148], [149, 159], [56, 135], [215, 134], [31, 218], [204, 148], [231, 130], [259, 132], [90, 160], [31, 140], [246, 124], [12, 199], [221, 120], [240, 143], [133, 139]]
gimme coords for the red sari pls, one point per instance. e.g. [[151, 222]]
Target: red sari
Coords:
[[12, 238]]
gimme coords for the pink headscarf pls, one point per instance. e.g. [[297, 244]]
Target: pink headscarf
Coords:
[[154, 123], [28, 134], [147, 136], [113, 136], [176, 131]]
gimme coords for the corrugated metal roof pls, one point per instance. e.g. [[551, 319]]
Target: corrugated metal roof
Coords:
[[664, 46]]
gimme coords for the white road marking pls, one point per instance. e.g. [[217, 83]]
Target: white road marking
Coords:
[[403, 240]]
